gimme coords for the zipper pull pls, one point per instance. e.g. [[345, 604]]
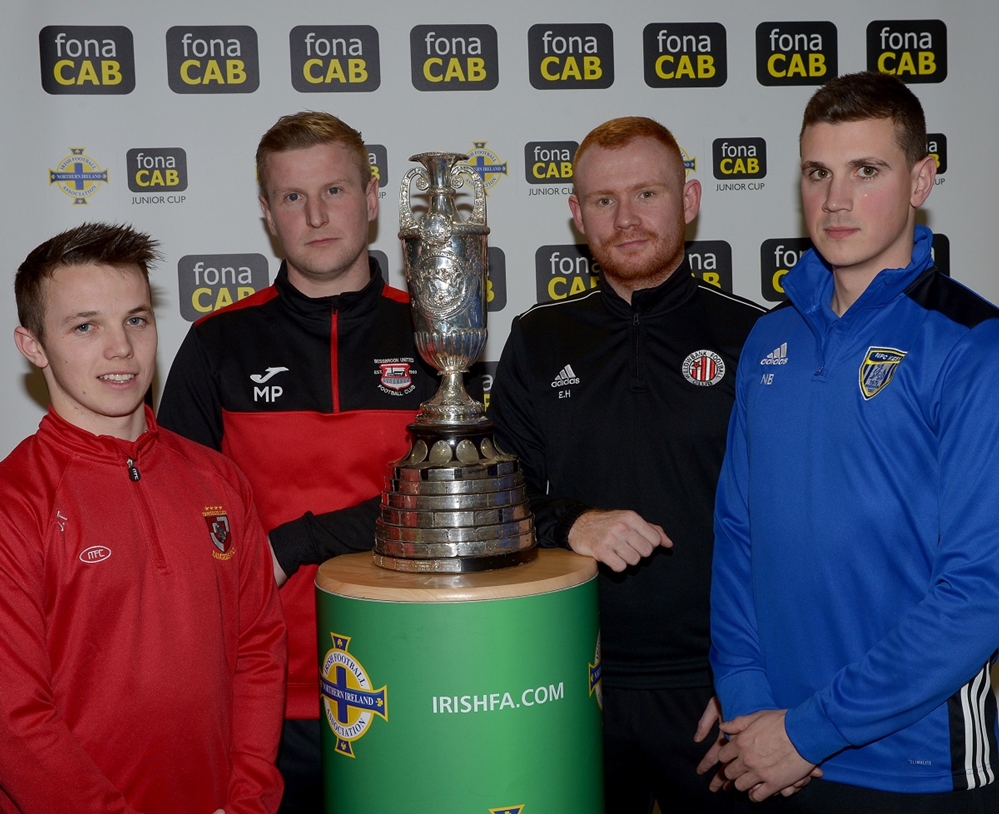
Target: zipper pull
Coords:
[[133, 470]]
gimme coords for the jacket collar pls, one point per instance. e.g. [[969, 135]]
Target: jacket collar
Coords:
[[348, 302], [809, 284], [677, 289], [77, 442]]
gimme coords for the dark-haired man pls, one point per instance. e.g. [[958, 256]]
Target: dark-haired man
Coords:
[[854, 594], [141, 638], [617, 403], [308, 385]]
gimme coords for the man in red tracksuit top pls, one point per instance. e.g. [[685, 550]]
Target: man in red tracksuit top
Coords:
[[142, 646], [308, 385]]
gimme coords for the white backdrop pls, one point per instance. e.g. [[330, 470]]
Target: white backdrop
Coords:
[[150, 113]]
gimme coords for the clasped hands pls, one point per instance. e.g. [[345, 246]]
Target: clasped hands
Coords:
[[757, 757]]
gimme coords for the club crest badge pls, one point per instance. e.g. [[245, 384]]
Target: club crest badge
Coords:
[[877, 370], [219, 531], [703, 368], [396, 376], [349, 702], [508, 810]]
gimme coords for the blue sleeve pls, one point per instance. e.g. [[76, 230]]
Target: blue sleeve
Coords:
[[948, 637], [740, 677]]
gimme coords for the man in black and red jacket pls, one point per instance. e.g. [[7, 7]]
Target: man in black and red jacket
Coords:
[[308, 385]]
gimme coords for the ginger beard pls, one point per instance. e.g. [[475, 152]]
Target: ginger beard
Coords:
[[655, 257]]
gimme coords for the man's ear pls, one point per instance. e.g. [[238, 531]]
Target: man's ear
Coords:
[[577, 210], [265, 208], [30, 346], [692, 200], [922, 177], [371, 195]]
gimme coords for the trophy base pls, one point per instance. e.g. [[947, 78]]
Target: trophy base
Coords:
[[457, 565], [454, 504]]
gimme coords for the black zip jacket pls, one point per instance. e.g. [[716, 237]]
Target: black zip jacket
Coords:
[[612, 405]]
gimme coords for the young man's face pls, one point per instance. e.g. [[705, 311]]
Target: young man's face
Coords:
[[99, 347], [859, 196], [632, 204], [319, 209]]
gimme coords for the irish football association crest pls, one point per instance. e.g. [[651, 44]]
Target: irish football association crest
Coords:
[[349, 702]]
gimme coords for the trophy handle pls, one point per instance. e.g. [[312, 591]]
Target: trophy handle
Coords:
[[406, 219], [463, 173]]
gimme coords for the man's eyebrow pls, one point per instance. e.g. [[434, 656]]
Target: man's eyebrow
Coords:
[[334, 181], [81, 315], [139, 309], [600, 193], [869, 162], [854, 162]]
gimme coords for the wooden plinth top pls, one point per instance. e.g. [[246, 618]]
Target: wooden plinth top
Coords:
[[357, 577]]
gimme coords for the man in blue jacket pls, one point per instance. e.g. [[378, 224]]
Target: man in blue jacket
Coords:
[[854, 595]]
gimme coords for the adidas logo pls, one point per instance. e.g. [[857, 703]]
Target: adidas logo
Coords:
[[779, 356], [564, 377]]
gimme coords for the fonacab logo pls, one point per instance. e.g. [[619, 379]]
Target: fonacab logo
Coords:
[[571, 55], [212, 59], [684, 55], [796, 53], [334, 58], [86, 59], [208, 282], [915, 51], [454, 57]]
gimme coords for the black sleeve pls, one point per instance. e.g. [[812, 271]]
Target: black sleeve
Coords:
[[190, 405], [518, 430], [314, 538]]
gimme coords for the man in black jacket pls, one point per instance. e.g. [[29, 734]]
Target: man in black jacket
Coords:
[[617, 403]]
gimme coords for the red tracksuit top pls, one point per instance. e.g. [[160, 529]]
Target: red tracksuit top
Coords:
[[142, 646]]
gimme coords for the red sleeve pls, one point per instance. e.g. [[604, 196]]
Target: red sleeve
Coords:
[[255, 785], [43, 768]]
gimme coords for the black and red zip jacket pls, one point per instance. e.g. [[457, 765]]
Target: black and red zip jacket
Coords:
[[311, 398]]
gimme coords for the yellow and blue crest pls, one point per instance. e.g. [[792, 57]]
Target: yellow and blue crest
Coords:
[[78, 175], [486, 163], [349, 702], [877, 369]]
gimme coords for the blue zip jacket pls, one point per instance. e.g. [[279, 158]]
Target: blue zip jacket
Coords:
[[855, 564]]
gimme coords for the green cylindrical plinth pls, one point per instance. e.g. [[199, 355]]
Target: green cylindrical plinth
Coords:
[[471, 693]]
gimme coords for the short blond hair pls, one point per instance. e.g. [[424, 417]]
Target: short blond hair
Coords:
[[307, 129]]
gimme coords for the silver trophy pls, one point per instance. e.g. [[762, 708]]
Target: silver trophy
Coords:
[[455, 502]]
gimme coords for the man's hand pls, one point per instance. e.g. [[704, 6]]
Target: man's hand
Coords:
[[712, 713], [280, 576], [616, 538], [760, 759]]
